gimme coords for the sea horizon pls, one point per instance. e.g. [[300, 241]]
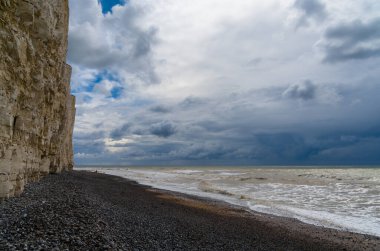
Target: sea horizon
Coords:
[[239, 166]]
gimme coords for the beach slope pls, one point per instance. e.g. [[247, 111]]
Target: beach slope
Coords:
[[91, 211]]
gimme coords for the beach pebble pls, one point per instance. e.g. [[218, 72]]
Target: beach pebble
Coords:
[[92, 211]]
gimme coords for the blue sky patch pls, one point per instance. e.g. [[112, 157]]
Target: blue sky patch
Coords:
[[116, 92], [108, 4], [104, 75]]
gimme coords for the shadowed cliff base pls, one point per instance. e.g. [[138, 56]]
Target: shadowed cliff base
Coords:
[[103, 212]]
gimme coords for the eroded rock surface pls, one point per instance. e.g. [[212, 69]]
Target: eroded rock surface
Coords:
[[36, 109]]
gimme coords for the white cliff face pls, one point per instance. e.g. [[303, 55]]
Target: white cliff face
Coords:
[[36, 109]]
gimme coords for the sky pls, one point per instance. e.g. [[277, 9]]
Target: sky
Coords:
[[220, 82]]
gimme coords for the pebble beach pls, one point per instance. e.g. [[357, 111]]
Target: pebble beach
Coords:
[[91, 211]]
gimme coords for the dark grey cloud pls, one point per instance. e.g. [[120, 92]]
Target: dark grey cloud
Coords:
[[212, 126], [144, 41], [160, 109], [285, 148], [201, 151], [89, 143], [357, 148], [311, 10], [120, 132], [163, 129], [191, 102], [92, 135], [139, 131], [352, 41], [305, 91], [234, 133]]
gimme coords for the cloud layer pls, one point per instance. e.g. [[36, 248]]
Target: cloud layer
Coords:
[[310, 10], [218, 83], [353, 41]]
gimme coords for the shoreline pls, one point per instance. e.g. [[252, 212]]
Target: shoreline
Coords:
[[218, 206], [80, 210], [318, 216]]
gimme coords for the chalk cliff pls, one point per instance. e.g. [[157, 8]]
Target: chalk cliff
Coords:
[[36, 109]]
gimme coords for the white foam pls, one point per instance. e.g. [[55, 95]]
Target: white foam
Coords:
[[187, 171], [367, 225], [230, 173]]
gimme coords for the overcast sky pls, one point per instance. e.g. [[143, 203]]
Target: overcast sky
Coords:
[[220, 82]]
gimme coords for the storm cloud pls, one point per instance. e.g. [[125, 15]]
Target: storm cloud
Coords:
[[163, 129], [118, 133], [352, 41]]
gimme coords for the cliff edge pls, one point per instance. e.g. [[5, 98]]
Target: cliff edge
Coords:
[[36, 109]]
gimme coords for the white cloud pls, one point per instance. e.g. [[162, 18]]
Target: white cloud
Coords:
[[113, 41]]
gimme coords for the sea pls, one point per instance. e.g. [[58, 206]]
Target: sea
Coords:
[[341, 198]]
